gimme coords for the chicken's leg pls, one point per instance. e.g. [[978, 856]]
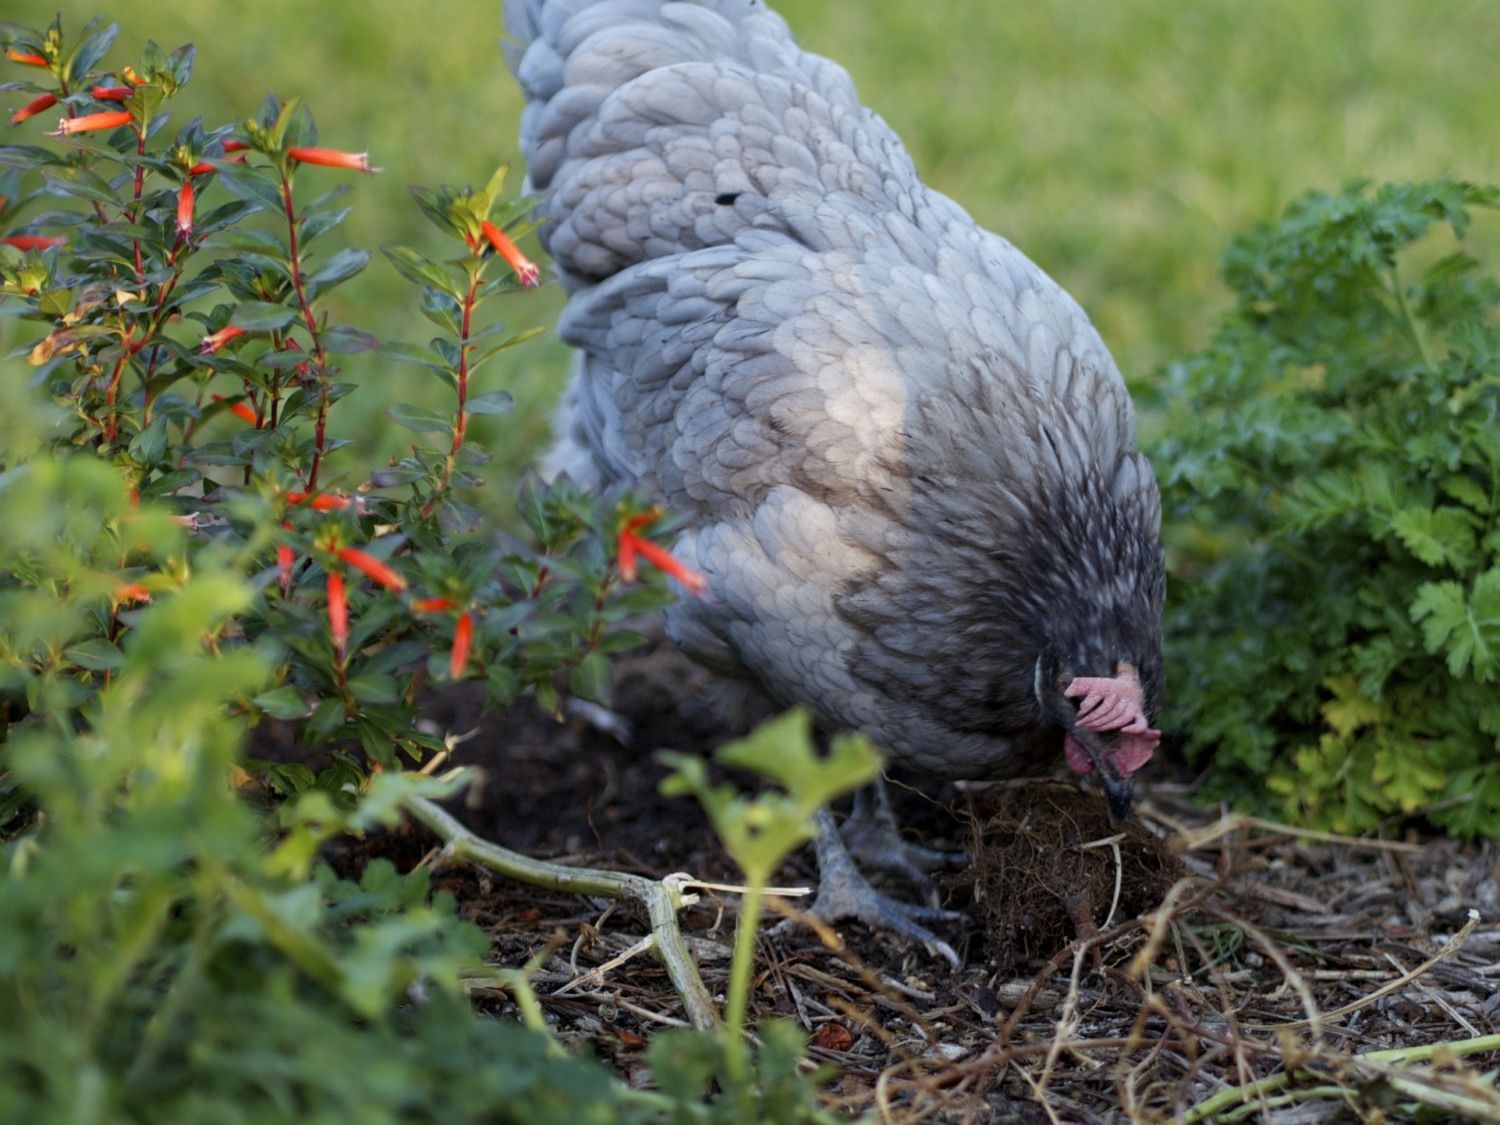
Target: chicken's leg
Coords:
[[873, 839], [844, 892]]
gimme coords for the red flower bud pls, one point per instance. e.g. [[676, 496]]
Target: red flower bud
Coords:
[[110, 93], [372, 568], [93, 122], [433, 605], [185, 210], [216, 340], [526, 270], [15, 54], [463, 640], [332, 158], [33, 107], [338, 612], [34, 241]]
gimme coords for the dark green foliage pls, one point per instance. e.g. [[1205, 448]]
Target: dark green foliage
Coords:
[[1331, 475]]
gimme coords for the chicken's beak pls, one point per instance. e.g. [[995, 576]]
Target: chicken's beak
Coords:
[[1118, 791]]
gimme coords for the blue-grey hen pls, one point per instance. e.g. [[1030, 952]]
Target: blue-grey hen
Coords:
[[909, 460]]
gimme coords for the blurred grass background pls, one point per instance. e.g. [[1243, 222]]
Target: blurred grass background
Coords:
[[1117, 142]]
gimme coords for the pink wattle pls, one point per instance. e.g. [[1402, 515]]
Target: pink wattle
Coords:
[[1132, 752], [1078, 759]]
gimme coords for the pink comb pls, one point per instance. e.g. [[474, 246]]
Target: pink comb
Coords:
[[1114, 703]]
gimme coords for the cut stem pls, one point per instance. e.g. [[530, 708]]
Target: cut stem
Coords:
[[661, 903]]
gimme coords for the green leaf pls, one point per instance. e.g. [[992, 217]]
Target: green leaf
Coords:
[[759, 833], [341, 267], [592, 678], [418, 418], [374, 688], [95, 654], [150, 444], [1468, 630], [417, 268], [321, 223], [285, 703], [345, 339], [93, 44], [262, 316], [251, 185], [443, 309], [491, 402], [1443, 535]]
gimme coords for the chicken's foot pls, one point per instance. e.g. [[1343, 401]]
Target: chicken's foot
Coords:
[[844, 892]]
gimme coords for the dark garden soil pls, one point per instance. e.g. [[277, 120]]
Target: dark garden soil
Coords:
[[1104, 976]]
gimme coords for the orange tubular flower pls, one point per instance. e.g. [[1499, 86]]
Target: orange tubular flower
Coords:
[[319, 501], [695, 581], [241, 410], [34, 241], [285, 557], [110, 93], [93, 122], [373, 568], [130, 593], [338, 612], [463, 640], [33, 107], [204, 168], [216, 340], [185, 210], [330, 158], [433, 605], [526, 270], [25, 57], [632, 544]]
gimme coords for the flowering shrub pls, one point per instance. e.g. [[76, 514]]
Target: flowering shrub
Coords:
[[180, 290], [1332, 473], [191, 549]]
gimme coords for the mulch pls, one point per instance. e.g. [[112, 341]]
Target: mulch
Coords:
[[1151, 974]]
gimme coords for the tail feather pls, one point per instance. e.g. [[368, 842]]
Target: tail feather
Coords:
[[659, 127]]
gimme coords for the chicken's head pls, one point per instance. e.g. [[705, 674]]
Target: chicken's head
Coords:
[[1107, 731]]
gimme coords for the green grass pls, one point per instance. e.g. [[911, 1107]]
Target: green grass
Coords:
[[1118, 142]]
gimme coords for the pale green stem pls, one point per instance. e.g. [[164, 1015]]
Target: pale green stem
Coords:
[[1412, 327], [1253, 1091], [661, 904], [737, 1002]]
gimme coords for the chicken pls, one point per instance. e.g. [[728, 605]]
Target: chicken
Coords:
[[909, 459]]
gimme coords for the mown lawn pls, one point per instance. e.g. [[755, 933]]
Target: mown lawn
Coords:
[[1119, 142]]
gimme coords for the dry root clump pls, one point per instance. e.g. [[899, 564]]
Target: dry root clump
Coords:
[[1050, 866]]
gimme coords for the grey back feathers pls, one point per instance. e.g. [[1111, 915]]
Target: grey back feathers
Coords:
[[909, 457]]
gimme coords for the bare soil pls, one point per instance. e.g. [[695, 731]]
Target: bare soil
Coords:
[[1106, 975]]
